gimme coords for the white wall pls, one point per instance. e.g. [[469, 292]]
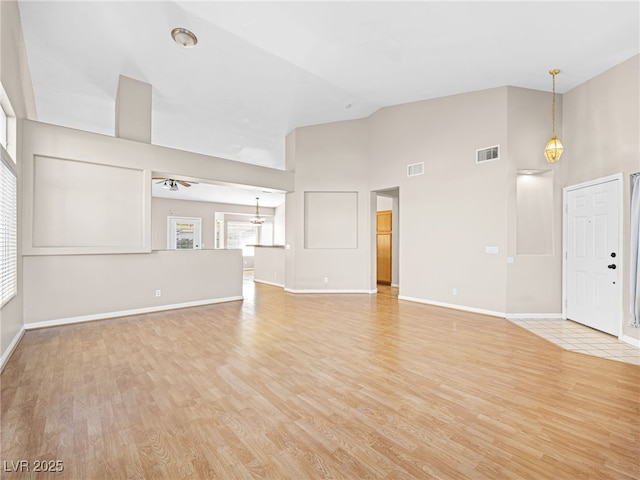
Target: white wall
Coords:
[[457, 208], [601, 136], [449, 215], [134, 107], [601, 125], [79, 287], [93, 281], [15, 74], [84, 207], [279, 217], [384, 203], [535, 207], [269, 265], [328, 158], [534, 282], [395, 241], [72, 145], [16, 81]]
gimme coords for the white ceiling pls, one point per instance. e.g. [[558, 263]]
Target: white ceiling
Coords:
[[207, 192], [262, 69]]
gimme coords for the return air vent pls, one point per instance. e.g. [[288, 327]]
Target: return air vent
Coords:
[[488, 154], [415, 169]]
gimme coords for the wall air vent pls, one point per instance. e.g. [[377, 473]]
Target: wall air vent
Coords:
[[415, 169], [488, 154]]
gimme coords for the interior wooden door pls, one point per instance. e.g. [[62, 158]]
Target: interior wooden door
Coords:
[[383, 247]]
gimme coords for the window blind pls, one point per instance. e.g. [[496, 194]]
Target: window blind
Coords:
[[8, 233]]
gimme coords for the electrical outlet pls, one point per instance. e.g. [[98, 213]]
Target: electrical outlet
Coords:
[[158, 293], [326, 279], [454, 292]]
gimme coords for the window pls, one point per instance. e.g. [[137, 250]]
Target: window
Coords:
[[7, 125], [3, 127], [184, 233], [241, 235], [8, 233]]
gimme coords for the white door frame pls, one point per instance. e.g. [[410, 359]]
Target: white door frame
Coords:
[[619, 261], [197, 233], [395, 239]]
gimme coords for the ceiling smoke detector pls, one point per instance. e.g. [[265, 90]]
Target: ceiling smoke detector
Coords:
[[184, 37]]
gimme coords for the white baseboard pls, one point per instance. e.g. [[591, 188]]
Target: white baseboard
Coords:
[[453, 306], [368, 292], [126, 313], [534, 316], [12, 346], [268, 283], [630, 340]]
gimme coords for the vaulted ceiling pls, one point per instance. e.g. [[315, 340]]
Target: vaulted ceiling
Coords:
[[262, 69]]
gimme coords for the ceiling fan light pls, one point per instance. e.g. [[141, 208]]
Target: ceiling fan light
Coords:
[[553, 150], [174, 186], [165, 185]]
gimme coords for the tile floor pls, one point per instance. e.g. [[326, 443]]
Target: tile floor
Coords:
[[579, 338]]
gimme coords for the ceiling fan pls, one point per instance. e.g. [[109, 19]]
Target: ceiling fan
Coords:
[[172, 184]]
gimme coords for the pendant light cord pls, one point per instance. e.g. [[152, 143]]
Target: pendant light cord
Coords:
[[553, 106]]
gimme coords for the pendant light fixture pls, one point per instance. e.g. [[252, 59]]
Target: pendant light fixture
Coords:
[[257, 220], [554, 148]]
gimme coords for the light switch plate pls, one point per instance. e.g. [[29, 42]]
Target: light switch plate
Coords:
[[492, 250]]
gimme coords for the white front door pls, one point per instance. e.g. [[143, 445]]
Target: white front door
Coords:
[[184, 233], [592, 255]]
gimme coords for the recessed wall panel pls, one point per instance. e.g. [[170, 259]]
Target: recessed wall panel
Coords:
[[535, 214], [86, 205]]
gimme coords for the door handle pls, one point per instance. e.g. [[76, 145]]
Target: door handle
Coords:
[[612, 266]]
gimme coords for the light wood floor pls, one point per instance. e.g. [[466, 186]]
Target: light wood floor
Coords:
[[316, 386]]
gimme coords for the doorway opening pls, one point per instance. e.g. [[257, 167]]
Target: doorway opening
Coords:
[[385, 208]]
